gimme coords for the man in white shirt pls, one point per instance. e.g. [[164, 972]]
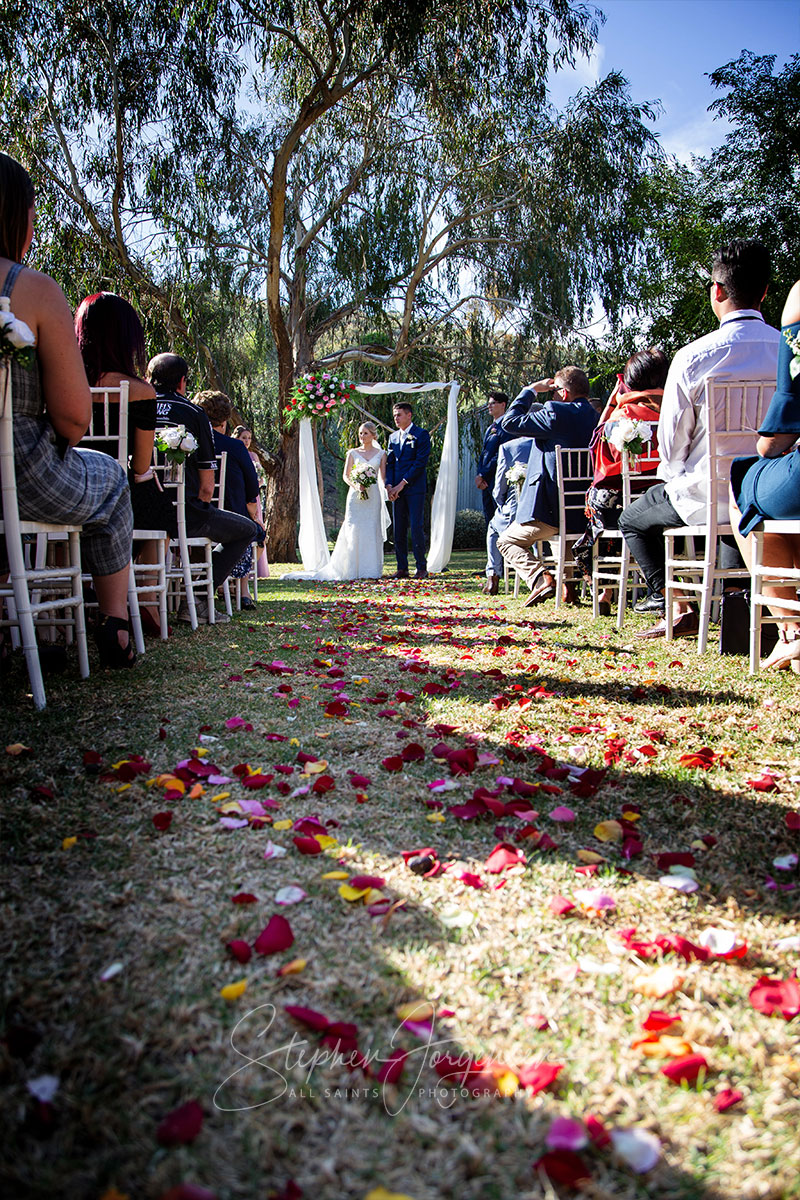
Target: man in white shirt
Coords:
[[745, 347]]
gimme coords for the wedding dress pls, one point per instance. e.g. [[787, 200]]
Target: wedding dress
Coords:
[[358, 553]]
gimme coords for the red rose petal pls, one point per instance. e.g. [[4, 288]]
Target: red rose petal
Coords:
[[776, 995], [538, 1076], [274, 937], [182, 1125], [308, 1016], [563, 1166], [307, 845], [240, 950], [686, 1069], [244, 898], [162, 820]]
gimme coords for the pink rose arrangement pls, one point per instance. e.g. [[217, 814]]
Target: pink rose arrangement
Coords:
[[317, 396]]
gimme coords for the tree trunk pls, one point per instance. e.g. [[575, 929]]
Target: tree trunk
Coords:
[[282, 501]]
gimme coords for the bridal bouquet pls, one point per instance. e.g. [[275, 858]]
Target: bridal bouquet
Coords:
[[363, 476], [175, 442], [516, 475], [17, 339], [629, 435], [316, 396]]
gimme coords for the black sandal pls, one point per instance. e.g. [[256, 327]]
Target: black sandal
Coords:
[[111, 653]]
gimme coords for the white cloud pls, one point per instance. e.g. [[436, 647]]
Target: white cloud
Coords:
[[697, 136], [563, 84]]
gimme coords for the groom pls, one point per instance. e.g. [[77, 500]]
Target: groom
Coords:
[[406, 461]]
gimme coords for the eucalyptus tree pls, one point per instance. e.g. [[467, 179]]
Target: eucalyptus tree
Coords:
[[386, 179]]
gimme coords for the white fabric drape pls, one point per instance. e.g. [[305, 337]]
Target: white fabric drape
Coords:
[[445, 498], [312, 540]]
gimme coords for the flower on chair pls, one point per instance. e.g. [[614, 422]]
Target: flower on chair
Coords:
[[630, 435], [175, 442], [17, 339]]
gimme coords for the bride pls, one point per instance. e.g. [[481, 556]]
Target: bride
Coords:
[[358, 553]]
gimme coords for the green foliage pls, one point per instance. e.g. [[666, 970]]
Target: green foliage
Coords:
[[470, 530]]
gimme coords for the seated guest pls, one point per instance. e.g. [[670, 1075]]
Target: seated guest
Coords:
[[52, 409], [568, 421], [744, 347], [636, 396], [509, 455], [246, 435], [769, 486], [241, 480], [232, 532], [493, 439], [111, 341]]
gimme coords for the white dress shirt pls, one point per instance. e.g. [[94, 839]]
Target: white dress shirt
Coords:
[[745, 347]]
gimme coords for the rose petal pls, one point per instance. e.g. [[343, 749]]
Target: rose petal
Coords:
[[181, 1126], [638, 1148], [274, 937]]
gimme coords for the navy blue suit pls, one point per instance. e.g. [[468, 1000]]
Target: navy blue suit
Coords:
[[493, 439], [408, 462], [557, 423]]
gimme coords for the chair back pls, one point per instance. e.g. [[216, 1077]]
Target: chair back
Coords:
[[108, 428], [574, 473], [733, 410], [218, 499], [8, 475]]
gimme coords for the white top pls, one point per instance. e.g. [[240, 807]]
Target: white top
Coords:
[[743, 347]]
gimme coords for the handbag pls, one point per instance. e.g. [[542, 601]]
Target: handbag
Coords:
[[734, 625]]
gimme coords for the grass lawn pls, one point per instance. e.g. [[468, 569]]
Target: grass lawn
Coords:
[[630, 787]]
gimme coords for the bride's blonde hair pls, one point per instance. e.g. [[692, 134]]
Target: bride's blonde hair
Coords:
[[372, 427]]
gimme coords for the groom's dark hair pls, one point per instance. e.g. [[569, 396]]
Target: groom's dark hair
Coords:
[[402, 404]]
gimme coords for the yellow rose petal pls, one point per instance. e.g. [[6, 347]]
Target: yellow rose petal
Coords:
[[316, 768], [232, 991], [350, 893], [380, 1193], [590, 856], [507, 1083], [608, 831], [230, 806], [68, 843], [221, 796], [284, 824], [332, 874], [325, 841], [435, 817], [294, 967], [415, 1010]]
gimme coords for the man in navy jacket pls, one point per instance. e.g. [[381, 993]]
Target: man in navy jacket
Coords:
[[493, 439], [568, 421], [406, 460], [505, 497]]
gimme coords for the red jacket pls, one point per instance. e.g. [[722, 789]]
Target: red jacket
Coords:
[[639, 406]]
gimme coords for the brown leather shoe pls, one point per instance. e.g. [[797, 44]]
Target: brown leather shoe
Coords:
[[545, 591], [686, 625], [492, 585]]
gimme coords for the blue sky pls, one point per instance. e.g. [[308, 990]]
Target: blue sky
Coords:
[[666, 47]]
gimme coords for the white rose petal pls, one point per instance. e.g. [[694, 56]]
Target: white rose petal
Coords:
[[718, 941], [789, 943], [290, 895], [273, 851], [785, 862], [111, 971], [636, 1147], [679, 883], [44, 1087]]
